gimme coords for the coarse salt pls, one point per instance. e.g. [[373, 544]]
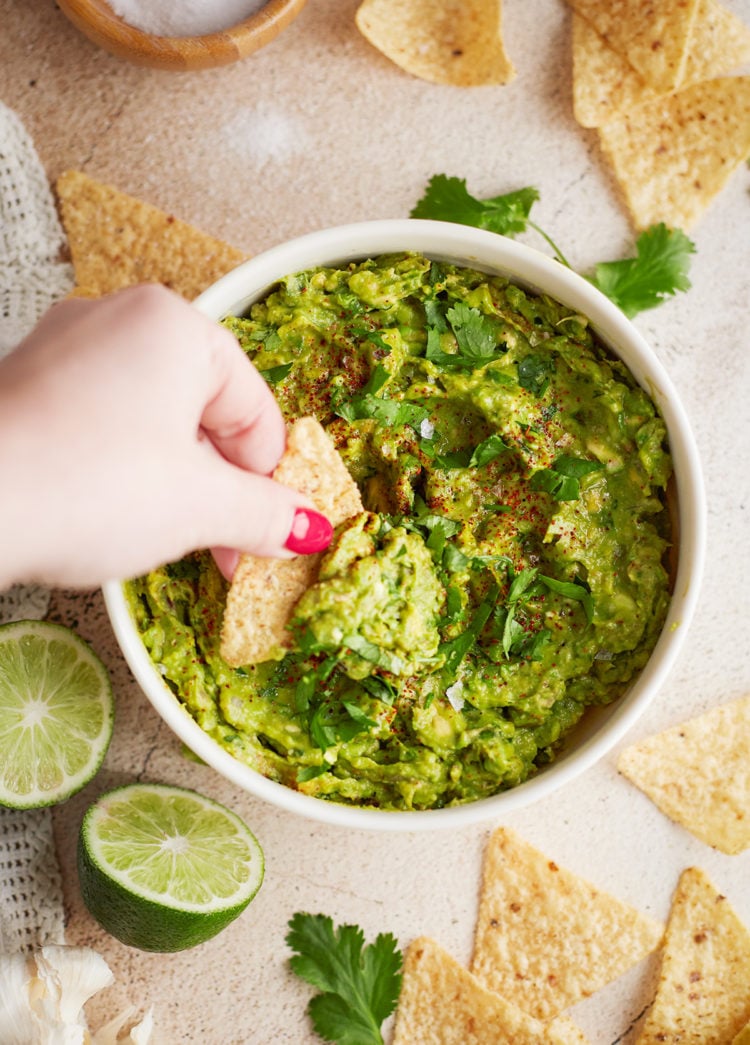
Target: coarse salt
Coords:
[[184, 17], [427, 429], [453, 693]]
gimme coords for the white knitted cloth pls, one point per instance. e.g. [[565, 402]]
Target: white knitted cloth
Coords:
[[32, 276]]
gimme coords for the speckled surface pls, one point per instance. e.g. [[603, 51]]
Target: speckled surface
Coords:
[[320, 129]]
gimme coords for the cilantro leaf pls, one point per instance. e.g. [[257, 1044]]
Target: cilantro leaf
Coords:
[[448, 199], [275, 374], [380, 689], [659, 269], [475, 333], [571, 590], [456, 649], [513, 632], [311, 772], [534, 372], [368, 651], [561, 480], [358, 715], [488, 450], [359, 984]]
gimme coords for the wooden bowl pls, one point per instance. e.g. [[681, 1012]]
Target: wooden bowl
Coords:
[[99, 23]]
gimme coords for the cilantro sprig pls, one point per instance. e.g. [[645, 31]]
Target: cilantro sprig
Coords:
[[477, 339], [659, 268], [657, 271], [359, 984]]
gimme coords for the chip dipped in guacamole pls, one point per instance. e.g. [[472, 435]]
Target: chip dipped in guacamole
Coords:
[[508, 571]]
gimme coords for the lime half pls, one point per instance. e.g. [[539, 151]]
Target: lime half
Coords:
[[163, 868], [56, 713]]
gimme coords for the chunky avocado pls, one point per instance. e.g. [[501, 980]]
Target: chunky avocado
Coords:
[[508, 572]]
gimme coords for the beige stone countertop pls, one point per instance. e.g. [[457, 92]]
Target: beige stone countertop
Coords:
[[319, 129]]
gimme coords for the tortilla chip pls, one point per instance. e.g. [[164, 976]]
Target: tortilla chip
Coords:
[[652, 35], [743, 1038], [264, 592], [698, 774], [606, 85], [443, 41], [674, 155], [720, 43], [117, 241], [545, 937], [703, 993], [441, 1003]]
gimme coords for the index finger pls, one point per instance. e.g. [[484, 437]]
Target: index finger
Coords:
[[242, 419]]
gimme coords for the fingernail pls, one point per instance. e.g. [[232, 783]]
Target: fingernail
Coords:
[[311, 532], [226, 559]]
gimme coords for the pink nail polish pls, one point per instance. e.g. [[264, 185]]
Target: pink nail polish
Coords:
[[311, 532]]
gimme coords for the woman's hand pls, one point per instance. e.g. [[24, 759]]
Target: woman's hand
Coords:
[[133, 430]]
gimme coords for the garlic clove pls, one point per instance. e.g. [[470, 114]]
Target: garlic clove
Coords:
[[16, 1021]]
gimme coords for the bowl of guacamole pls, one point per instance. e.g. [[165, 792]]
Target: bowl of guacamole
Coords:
[[527, 562]]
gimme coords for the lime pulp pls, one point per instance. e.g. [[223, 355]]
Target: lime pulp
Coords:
[[56, 713]]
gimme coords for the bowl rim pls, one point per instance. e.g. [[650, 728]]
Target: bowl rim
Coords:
[[470, 247]]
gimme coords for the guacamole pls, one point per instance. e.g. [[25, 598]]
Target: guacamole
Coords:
[[509, 569]]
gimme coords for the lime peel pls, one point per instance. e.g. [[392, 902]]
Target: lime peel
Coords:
[[163, 868]]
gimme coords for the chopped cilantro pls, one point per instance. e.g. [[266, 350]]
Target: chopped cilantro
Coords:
[[561, 481], [373, 336], [477, 340], [456, 649], [358, 715], [534, 372], [489, 449], [186, 569], [380, 689], [475, 333], [276, 374], [310, 772], [391, 412], [373, 654], [571, 590], [513, 631]]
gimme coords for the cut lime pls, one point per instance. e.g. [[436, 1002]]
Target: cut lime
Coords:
[[162, 868], [56, 713]]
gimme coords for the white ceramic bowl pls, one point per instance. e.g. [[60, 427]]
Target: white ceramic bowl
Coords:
[[601, 728]]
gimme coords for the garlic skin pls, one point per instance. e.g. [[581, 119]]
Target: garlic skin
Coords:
[[140, 1034], [42, 1000]]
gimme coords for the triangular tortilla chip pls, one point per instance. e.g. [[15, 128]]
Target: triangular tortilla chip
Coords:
[[698, 774], [443, 41], [674, 155], [605, 85], [703, 993], [545, 937], [653, 35], [441, 1003], [264, 592], [117, 241]]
